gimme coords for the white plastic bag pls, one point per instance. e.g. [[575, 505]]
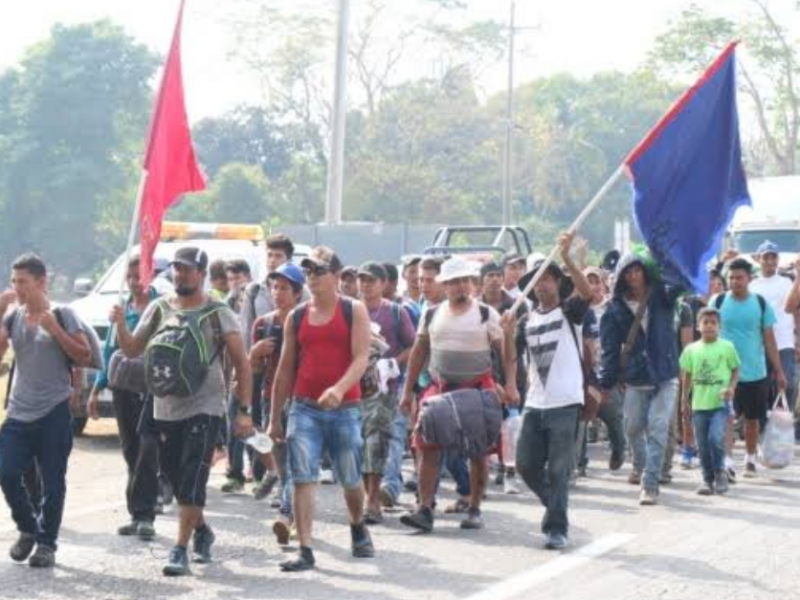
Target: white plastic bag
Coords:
[[777, 448], [509, 435]]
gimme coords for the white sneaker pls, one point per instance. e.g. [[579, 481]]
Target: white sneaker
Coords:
[[326, 477], [510, 485]]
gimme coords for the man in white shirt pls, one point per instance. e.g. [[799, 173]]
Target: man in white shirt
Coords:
[[775, 289], [554, 338]]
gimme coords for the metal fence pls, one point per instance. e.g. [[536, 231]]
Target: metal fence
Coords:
[[359, 242]]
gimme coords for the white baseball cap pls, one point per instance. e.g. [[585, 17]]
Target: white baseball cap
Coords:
[[457, 267]]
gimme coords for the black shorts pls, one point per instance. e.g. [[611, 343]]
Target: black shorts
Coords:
[[187, 448], [752, 399]]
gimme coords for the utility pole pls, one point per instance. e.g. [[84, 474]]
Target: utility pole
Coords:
[[333, 204], [508, 175], [508, 152]]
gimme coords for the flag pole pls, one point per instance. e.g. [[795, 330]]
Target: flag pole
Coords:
[[602, 193], [132, 235]]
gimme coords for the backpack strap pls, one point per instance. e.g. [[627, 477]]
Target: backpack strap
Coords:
[[484, 312], [251, 292], [719, 300], [429, 314], [347, 312], [633, 332]]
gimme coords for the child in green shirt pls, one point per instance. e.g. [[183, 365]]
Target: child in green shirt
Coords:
[[710, 372]]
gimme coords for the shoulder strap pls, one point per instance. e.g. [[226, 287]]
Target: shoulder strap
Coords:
[[484, 312], [297, 317], [720, 300], [429, 313], [347, 312], [397, 322], [632, 333], [763, 304], [251, 292]]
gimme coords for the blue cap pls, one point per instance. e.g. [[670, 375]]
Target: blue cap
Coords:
[[768, 247], [290, 272]]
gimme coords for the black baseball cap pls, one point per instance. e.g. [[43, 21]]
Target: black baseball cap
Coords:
[[374, 270], [191, 256], [489, 268]]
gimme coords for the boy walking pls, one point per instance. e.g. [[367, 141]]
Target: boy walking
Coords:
[[710, 372]]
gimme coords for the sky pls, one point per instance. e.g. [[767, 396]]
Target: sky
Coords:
[[578, 36]]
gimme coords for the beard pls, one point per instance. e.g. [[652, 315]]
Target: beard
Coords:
[[185, 290], [460, 300]]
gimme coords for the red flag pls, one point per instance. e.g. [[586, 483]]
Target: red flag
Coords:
[[170, 165]]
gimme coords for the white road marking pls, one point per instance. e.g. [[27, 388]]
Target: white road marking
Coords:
[[524, 582]]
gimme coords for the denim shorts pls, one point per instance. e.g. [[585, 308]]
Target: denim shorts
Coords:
[[311, 430]]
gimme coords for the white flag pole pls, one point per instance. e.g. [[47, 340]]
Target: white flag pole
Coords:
[[615, 176], [132, 235]]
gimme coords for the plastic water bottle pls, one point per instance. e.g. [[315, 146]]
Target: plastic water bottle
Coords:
[[509, 435], [260, 442]]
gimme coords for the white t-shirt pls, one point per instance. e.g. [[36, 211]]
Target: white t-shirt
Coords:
[[461, 349], [555, 372], [775, 289]]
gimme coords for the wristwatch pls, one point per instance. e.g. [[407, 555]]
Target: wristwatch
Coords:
[[246, 411]]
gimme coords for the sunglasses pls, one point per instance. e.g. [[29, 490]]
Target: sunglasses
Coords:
[[317, 270]]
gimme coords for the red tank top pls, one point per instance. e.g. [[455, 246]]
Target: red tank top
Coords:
[[325, 356]]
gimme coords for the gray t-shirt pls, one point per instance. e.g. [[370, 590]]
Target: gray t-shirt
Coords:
[[209, 399], [262, 303], [42, 377]]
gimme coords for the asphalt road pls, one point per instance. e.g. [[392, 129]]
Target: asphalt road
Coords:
[[744, 545]]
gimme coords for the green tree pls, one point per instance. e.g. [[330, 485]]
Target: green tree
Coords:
[[72, 121]]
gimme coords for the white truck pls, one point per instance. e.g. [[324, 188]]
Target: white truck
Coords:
[[774, 216], [224, 242]]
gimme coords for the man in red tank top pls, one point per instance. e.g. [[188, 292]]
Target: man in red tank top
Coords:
[[325, 353]]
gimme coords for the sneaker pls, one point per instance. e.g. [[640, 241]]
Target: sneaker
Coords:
[[202, 540], [387, 500], [232, 485], [178, 563], [635, 478], [687, 457], [304, 562], [265, 486], [721, 482], [473, 519], [277, 499], [648, 498], [582, 473], [411, 484], [750, 470], [159, 509], [373, 517], [421, 519], [43, 558], [167, 495], [555, 541], [500, 478], [511, 486], [326, 477], [282, 528], [665, 479], [146, 531], [616, 461], [460, 506], [130, 529], [361, 542], [731, 472], [23, 547], [707, 489]]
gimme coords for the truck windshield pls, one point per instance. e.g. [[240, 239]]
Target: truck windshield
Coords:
[[748, 241]]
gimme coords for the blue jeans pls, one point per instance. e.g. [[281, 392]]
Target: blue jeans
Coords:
[[49, 441], [710, 428], [393, 474], [311, 430], [545, 452], [647, 417], [788, 364], [458, 468]]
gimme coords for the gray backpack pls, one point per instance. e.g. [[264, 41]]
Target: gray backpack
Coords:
[[177, 358]]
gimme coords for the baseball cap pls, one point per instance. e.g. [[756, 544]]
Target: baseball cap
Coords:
[[768, 247], [510, 258], [290, 272], [350, 271], [457, 267], [489, 268], [191, 256], [411, 259], [374, 270], [322, 256]]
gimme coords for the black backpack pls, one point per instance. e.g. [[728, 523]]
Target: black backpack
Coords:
[[177, 359]]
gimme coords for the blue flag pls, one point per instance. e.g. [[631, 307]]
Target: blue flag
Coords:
[[688, 178]]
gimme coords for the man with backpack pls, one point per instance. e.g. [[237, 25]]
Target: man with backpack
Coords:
[[555, 345], [184, 338], [748, 321], [47, 343], [458, 336], [125, 377], [379, 406], [324, 356]]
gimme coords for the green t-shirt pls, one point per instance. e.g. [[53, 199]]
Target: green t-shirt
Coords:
[[710, 365]]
